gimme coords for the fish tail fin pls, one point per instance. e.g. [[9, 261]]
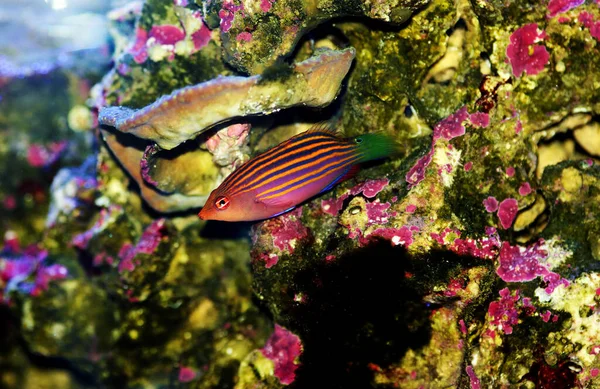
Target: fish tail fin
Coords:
[[377, 145]]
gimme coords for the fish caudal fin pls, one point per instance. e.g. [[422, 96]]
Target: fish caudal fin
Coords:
[[376, 146]]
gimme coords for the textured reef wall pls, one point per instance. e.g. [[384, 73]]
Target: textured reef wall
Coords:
[[468, 261]]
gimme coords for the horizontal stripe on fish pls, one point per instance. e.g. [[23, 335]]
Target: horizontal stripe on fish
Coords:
[[276, 154], [326, 167], [295, 163]]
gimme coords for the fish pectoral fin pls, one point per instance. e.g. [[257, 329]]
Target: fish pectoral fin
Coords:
[[276, 202], [348, 173]]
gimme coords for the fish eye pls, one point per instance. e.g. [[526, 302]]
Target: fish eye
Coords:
[[222, 203], [358, 140]]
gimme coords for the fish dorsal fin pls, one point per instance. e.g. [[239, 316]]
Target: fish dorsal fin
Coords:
[[324, 126]]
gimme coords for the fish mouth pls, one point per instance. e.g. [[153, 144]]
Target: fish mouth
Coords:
[[200, 215]]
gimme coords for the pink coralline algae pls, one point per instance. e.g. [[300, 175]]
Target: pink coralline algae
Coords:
[[202, 36], [147, 244], [166, 34], [510, 171], [369, 189], [398, 236], [265, 5], [82, 240], [244, 36], [283, 348], [480, 119], [186, 374], [507, 211], [485, 248], [286, 230], [270, 259], [504, 313], [490, 204], [24, 270], [523, 54], [519, 264], [559, 6], [138, 50], [227, 14], [475, 383], [44, 156], [587, 19], [468, 166], [525, 189], [449, 128]]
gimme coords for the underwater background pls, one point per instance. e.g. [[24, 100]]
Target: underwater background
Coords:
[[469, 259]]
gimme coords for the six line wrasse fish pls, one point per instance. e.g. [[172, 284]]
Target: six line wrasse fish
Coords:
[[302, 167]]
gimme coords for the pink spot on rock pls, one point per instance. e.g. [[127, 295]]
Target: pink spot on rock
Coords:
[[82, 240], [152, 236], [44, 156], [201, 37], [333, 206], [398, 236], [510, 171], [594, 372], [525, 189], [227, 13], [507, 211], [463, 327], [411, 208], [269, 259], [416, 173], [377, 212], [518, 126], [9, 202], [186, 374], [523, 54], [503, 313], [166, 34], [519, 264], [287, 230], [452, 126], [370, 188], [283, 348], [490, 204], [145, 167], [474, 381], [265, 5], [468, 166], [546, 316], [25, 271], [139, 50], [559, 6], [587, 19], [244, 36], [480, 119]]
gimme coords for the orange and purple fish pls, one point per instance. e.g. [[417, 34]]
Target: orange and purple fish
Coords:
[[292, 172]]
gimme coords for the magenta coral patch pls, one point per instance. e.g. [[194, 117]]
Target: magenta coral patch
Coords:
[[44, 156], [283, 348], [507, 211], [265, 5], [166, 34], [227, 13], [139, 50], [147, 244], [480, 119], [201, 37], [416, 173], [370, 188], [452, 126], [504, 314], [244, 37], [518, 264], [490, 204], [186, 374], [287, 229], [398, 236], [559, 6], [525, 189], [523, 54], [24, 270], [475, 383], [468, 166], [587, 19]]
